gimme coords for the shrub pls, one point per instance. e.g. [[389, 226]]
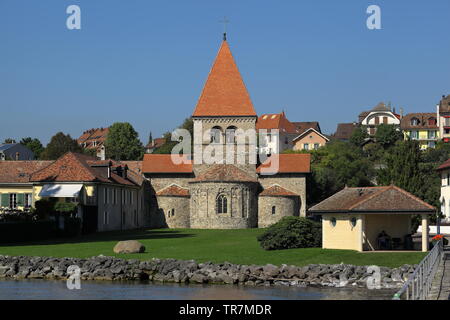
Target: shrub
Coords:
[[11, 232], [65, 207], [292, 232], [72, 227]]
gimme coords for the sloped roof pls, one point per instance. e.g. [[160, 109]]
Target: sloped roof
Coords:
[[422, 117], [20, 171], [373, 199], [89, 136], [162, 163], [76, 167], [277, 191], [276, 121], [224, 93], [444, 166], [344, 130], [156, 143], [224, 173], [173, 190], [288, 163], [380, 107], [303, 126], [308, 131]]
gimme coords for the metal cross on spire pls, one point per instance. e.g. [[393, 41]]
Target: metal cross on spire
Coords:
[[225, 21]]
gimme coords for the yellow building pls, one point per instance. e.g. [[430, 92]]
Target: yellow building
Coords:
[[369, 219], [422, 127]]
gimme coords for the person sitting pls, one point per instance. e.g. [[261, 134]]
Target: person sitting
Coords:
[[384, 241]]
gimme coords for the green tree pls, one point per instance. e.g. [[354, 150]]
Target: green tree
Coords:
[[167, 147], [34, 145], [387, 135], [359, 135], [122, 142], [9, 140], [60, 144]]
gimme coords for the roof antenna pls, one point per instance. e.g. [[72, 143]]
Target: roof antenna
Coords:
[[224, 21]]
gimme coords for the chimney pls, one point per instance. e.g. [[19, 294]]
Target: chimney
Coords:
[[125, 171], [401, 112], [109, 169]]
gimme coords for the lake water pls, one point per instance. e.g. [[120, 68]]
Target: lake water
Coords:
[[55, 290]]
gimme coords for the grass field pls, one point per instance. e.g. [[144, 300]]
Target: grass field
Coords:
[[235, 246]]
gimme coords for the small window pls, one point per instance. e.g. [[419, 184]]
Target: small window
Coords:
[[105, 218], [221, 204], [333, 222], [274, 210], [306, 146], [414, 122], [353, 222], [13, 200], [316, 146]]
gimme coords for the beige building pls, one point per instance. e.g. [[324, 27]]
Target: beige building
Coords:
[[311, 139], [444, 173], [370, 219]]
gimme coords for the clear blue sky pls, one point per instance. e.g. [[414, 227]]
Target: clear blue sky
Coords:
[[145, 61]]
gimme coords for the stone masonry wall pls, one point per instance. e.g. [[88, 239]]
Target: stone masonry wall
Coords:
[[284, 207], [174, 211]]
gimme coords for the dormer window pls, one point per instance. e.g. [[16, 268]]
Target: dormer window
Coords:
[[414, 122], [432, 121]]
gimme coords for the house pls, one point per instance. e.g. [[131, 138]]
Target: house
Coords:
[[354, 218], [221, 195], [154, 144], [444, 172], [344, 131], [443, 118], [16, 190], [15, 151], [94, 139], [278, 132], [380, 114], [109, 196], [310, 139], [421, 127], [305, 125]]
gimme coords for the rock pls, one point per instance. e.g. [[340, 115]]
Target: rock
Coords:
[[129, 246], [271, 270]]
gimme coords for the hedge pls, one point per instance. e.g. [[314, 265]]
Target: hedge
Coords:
[[19, 231]]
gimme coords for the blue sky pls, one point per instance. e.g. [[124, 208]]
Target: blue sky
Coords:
[[146, 61]]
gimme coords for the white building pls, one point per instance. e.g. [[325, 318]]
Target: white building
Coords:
[[380, 114]]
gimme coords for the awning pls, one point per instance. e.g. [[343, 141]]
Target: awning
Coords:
[[60, 190]]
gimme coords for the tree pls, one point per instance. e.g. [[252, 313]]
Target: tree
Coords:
[[387, 135], [122, 142], [359, 135], [9, 140], [167, 147], [150, 138], [60, 144], [34, 145]]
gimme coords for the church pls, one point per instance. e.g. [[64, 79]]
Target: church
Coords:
[[219, 195]]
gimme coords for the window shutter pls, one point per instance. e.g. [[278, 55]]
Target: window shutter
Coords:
[[20, 199], [4, 200]]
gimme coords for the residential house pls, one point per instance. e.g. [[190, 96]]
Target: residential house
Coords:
[[380, 114], [443, 118], [16, 190], [15, 151], [344, 131], [444, 173], [154, 144], [278, 132], [109, 196], [94, 139], [422, 127], [358, 218], [305, 125], [310, 139]]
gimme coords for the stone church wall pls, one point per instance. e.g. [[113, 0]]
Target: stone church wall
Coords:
[[284, 207], [174, 212]]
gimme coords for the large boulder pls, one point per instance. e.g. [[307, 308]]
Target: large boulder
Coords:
[[129, 246]]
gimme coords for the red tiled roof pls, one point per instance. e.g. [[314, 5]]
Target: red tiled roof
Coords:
[[344, 131], [224, 173], [76, 167], [173, 191], [277, 191], [423, 121], [88, 137], [20, 171], [373, 199], [162, 163], [156, 143], [276, 121], [288, 163], [303, 126], [443, 166], [224, 93]]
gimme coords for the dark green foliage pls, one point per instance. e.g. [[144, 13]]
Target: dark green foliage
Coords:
[[9, 140], [65, 207], [122, 142], [34, 145], [359, 135], [26, 231], [167, 147], [290, 233], [72, 227], [387, 135], [60, 144], [44, 207]]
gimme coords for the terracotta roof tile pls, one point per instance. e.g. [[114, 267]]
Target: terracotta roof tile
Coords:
[[224, 93], [344, 131], [443, 166], [277, 191], [162, 163], [288, 163], [173, 191], [373, 199], [303, 126], [20, 171], [423, 121], [276, 121], [224, 173]]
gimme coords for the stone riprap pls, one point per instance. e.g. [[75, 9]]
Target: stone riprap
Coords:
[[181, 271]]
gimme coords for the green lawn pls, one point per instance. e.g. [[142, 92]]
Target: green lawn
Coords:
[[235, 246]]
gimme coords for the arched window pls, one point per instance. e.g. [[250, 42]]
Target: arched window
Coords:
[[414, 122], [274, 210], [215, 134], [221, 204], [231, 134]]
